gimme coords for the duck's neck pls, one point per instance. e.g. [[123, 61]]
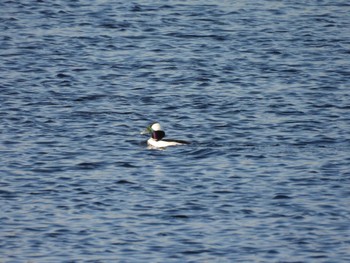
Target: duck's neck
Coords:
[[158, 135]]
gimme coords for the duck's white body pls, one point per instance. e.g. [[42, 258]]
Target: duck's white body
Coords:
[[157, 135], [163, 143]]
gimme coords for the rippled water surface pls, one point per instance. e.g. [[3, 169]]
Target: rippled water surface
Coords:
[[260, 88]]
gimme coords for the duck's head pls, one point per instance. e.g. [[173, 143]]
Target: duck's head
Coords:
[[155, 130]]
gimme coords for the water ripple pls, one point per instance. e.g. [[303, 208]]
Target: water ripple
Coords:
[[260, 90]]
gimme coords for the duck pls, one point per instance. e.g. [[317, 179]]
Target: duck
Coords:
[[157, 137]]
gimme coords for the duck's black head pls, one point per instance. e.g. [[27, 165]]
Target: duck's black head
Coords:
[[155, 130], [158, 135]]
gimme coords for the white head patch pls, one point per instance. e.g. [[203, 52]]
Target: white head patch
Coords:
[[156, 127]]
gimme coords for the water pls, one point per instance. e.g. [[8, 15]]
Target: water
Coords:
[[261, 89]]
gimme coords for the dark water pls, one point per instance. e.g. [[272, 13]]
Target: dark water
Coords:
[[261, 88]]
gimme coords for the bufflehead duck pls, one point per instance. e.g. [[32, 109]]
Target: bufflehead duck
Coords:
[[157, 135]]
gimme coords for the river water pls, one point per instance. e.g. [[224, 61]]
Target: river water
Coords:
[[260, 88]]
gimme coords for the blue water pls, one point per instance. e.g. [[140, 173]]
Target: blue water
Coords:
[[260, 88]]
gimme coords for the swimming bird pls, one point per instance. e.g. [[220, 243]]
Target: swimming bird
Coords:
[[157, 135]]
